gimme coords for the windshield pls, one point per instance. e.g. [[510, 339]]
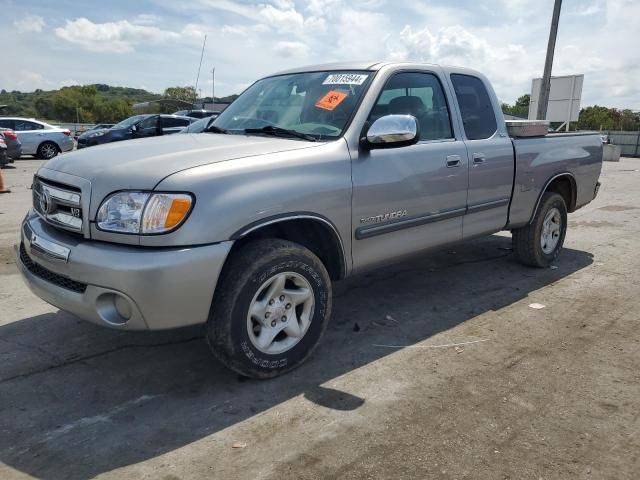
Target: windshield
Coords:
[[129, 121], [319, 104]]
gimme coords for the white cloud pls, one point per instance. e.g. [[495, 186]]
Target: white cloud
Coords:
[[505, 39], [115, 37], [242, 10], [287, 20], [455, 45], [30, 23], [360, 36], [290, 49], [146, 19], [27, 80]]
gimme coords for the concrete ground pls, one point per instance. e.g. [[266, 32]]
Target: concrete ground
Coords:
[[547, 393]]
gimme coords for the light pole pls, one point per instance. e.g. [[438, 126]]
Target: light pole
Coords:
[[545, 85]]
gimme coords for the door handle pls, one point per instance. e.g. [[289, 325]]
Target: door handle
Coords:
[[478, 158], [453, 161]]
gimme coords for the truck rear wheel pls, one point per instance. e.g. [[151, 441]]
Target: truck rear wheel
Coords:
[[539, 243], [270, 309]]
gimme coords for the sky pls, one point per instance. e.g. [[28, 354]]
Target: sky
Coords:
[[155, 44]]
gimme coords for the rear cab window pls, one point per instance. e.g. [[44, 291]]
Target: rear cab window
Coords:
[[478, 117]]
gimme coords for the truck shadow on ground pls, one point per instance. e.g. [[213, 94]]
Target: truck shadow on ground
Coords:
[[78, 400]]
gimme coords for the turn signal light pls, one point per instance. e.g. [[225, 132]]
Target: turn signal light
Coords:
[[179, 209]]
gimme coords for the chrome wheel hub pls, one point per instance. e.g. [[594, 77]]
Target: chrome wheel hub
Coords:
[[49, 151], [551, 230], [280, 313]]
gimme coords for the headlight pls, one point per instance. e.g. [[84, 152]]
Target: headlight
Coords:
[[143, 212], [99, 133]]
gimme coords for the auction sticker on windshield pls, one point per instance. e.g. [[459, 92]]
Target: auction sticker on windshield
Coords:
[[331, 100], [345, 79]]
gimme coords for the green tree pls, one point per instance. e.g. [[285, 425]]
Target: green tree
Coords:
[[187, 94], [521, 107], [112, 111], [596, 118]]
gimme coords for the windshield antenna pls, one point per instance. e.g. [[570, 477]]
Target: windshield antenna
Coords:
[[195, 90]]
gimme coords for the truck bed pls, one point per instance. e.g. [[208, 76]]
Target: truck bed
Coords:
[[538, 160]]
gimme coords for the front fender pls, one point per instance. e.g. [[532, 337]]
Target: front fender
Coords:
[[234, 194]]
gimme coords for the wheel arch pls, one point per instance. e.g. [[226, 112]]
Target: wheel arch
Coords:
[[565, 185], [311, 230], [48, 140]]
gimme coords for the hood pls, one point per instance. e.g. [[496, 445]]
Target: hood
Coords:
[[142, 163], [91, 133]]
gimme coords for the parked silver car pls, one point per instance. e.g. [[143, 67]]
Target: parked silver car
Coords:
[[39, 138]]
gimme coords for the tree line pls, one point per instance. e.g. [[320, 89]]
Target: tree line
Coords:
[[96, 103], [591, 118], [101, 103]]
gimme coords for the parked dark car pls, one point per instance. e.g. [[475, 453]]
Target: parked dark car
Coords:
[[14, 146], [99, 126], [138, 126], [197, 113]]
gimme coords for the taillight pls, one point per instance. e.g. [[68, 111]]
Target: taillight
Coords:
[[10, 134], [67, 132]]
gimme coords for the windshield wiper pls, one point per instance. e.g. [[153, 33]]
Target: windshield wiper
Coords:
[[281, 132], [215, 129]]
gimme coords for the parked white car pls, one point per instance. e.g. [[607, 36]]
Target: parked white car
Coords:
[[39, 138]]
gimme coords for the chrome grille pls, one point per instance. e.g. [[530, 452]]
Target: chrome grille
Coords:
[[48, 275], [59, 205]]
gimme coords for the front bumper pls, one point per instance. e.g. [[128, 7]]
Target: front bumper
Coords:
[[124, 287]]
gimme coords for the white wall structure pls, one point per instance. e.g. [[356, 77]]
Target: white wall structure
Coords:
[[564, 98]]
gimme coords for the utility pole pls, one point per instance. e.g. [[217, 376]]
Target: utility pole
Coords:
[[195, 89], [543, 99]]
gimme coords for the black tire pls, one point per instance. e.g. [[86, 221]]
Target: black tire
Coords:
[[227, 330], [527, 240], [47, 150]]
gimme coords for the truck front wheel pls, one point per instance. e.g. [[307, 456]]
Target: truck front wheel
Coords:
[[270, 309], [539, 243]]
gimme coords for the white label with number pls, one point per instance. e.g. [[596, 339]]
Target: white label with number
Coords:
[[345, 79]]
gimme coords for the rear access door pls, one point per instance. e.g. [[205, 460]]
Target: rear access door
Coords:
[[489, 153]]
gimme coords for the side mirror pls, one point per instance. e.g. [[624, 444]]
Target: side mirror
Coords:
[[392, 131], [134, 128]]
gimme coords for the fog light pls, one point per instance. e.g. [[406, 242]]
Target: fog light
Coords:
[[113, 308], [123, 307]]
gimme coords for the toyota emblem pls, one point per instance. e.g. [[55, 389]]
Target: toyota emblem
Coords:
[[45, 203]]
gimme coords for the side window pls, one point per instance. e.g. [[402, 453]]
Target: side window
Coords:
[[6, 124], [168, 122], [475, 105], [148, 123], [420, 95], [23, 125]]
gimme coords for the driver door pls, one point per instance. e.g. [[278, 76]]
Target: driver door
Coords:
[[148, 127], [409, 198]]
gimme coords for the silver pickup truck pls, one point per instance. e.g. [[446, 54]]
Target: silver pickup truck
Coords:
[[310, 176]]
